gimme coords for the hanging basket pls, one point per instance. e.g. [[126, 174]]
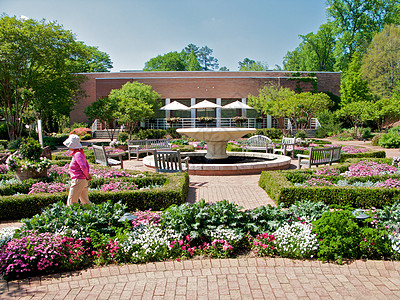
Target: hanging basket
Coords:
[[26, 174]]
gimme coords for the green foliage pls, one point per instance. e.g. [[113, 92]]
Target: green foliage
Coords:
[[375, 140], [41, 78], [341, 236], [122, 137], [272, 133], [265, 219], [3, 131], [172, 132], [308, 210], [252, 65], [77, 218], [200, 219], [390, 139], [357, 112], [338, 235], [301, 134], [172, 61], [143, 134], [14, 144], [30, 149], [329, 124]]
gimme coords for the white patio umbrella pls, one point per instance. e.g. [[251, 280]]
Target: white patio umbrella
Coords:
[[175, 105], [237, 105], [205, 104]]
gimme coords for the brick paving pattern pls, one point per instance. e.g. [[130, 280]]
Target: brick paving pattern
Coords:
[[241, 278]]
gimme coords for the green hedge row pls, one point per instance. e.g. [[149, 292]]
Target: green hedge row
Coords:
[[371, 154], [282, 191], [174, 191]]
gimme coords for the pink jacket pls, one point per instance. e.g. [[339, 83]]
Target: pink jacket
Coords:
[[79, 166]]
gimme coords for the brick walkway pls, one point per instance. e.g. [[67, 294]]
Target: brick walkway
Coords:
[[241, 278]]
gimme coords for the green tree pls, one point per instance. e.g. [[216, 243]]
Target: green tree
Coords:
[[356, 22], [386, 111], [105, 110], [37, 64], [171, 61], [192, 64], [381, 67], [357, 113], [224, 68], [315, 53], [136, 102], [268, 100], [207, 62], [90, 59], [353, 87], [252, 65]]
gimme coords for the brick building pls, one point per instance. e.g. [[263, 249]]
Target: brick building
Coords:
[[190, 88]]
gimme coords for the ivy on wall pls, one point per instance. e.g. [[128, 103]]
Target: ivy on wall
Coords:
[[299, 77]]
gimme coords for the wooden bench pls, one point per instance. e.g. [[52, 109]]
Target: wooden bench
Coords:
[[147, 146], [169, 161], [287, 145], [320, 156], [258, 142], [103, 158]]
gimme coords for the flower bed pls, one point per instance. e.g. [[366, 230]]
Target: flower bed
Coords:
[[137, 190], [71, 238], [361, 183]]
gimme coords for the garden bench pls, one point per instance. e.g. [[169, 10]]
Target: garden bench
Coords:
[[147, 146], [320, 156], [169, 161], [46, 152], [287, 145], [105, 159], [258, 142]]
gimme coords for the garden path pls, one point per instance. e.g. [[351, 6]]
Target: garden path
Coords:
[[242, 278]]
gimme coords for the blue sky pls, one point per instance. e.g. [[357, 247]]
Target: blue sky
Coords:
[[133, 31]]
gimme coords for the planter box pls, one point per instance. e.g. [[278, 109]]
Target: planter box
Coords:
[[26, 174]]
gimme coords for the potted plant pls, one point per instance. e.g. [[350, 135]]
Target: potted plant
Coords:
[[173, 120], [27, 161], [239, 120], [205, 119]]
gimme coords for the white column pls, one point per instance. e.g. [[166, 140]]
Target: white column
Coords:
[[167, 112], [193, 112], [218, 113], [244, 100], [39, 122], [269, 121]]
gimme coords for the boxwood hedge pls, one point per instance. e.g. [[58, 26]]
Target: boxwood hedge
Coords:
[[174, 191], [279, 186]]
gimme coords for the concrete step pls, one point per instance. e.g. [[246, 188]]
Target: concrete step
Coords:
[[103, 134]]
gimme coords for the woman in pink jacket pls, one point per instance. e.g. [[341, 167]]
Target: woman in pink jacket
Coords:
[[79, 171]]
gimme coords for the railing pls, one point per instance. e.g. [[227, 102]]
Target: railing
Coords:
[[314, 124], [194, 123]]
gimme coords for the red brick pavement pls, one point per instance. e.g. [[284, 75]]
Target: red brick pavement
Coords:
[[242, 278]]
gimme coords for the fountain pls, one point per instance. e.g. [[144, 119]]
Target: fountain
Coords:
[[218, 162]]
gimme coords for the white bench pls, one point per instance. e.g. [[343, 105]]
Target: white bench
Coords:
[[320, 156], [103, 158], [287, 145], [147, 146], [258, 142]]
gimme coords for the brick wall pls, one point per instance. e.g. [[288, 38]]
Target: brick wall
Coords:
[[200, 85]]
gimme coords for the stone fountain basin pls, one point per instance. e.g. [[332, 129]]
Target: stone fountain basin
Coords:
[[274, 162]]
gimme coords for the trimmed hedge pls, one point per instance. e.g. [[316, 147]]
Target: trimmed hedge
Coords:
[[282, 191], [371, 154], [174, 191]]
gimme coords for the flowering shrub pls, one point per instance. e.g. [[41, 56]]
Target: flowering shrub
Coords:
[[3, 169], [264, 244], [352, 150], [327, 171], [389, 183], [369, 168], [56, 171], [47, 187], [14, 162], [396, 161], [218, 249], [145, 218], [6, 234], [81, 131], [101, 172], [39, 253], [118, 186], [295, 240]]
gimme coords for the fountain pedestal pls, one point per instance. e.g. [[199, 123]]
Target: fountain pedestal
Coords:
[[216, 138]]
